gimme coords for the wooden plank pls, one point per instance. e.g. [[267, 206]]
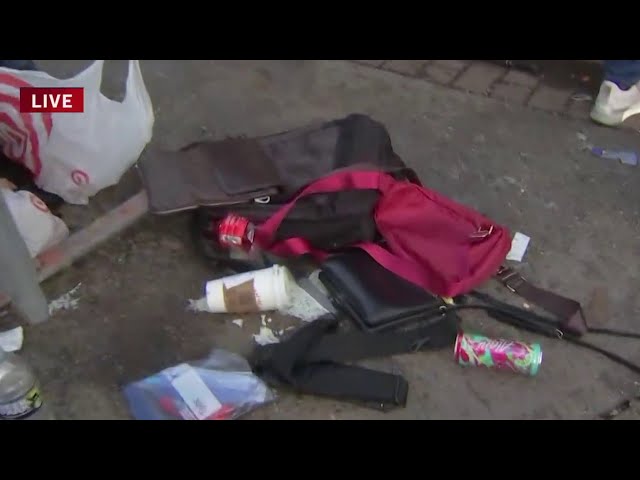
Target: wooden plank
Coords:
[[77, 245], [18, 276]]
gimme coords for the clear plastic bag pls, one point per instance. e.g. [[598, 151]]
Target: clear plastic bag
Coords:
[[38, 227], [219, 387]]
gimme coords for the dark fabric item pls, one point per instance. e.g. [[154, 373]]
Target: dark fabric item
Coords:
[[233, 173], [307, 362], [274, 166], [373, 297], [303, 156], [177, 181], [328, 221]]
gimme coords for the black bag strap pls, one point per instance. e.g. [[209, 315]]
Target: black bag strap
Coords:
[[433, 333], [567, 310], [309, 360], [531, 321], [530, 318]]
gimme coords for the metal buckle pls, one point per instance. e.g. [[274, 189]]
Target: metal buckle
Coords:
[[482, 233], [512, 274], [519, 278]]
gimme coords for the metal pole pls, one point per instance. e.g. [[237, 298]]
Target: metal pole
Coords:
[[18, 277]]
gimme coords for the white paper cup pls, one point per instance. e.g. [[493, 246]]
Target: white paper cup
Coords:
[[257, 291]]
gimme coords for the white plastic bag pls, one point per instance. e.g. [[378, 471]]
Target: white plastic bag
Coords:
[[75, 155], [39, 228]]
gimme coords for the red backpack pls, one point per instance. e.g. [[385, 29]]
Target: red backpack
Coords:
[[440, 245]]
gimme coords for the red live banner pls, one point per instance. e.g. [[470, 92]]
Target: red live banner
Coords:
[[53, 100]]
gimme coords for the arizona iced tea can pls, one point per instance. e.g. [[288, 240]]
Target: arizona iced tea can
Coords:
[[480, 351]]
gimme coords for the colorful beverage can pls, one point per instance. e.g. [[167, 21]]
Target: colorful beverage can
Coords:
[[480, 351], [236, 231]]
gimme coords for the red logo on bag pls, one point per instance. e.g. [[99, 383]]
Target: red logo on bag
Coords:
[[79, 177], [22, 135], [53, 100], [38, 203]]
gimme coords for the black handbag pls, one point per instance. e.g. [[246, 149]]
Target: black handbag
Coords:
[[374, 298]]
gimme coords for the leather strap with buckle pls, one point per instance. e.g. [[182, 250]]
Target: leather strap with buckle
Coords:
[[568, 311]]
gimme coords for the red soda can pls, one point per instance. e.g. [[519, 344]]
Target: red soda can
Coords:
[[480, 351], [236, 231]]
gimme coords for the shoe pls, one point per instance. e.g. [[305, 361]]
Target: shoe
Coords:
[[614, 105]]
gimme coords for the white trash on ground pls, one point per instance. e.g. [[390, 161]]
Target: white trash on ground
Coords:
[[519, 246], [66, 301], [265, 336], [11, 340], [256, 291], [303, 306], [268, 289]]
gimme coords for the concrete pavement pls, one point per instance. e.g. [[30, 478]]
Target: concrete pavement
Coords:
[[524, 167]]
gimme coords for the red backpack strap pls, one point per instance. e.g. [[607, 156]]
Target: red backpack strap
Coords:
[[336, 182]]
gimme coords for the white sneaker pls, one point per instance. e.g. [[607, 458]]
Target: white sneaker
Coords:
[[614, 105]]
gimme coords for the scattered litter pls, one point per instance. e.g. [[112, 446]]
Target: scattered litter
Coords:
[[626, 157], [302, 305], [473, 350], [265, 337], [238, 321], [581, 136], [11, 340], [527, 306], [199, 305], [506, 179], [268, 320], [263, 320], [519, 246], [65, 302], [220, 387], [261, 290], [314, 278]]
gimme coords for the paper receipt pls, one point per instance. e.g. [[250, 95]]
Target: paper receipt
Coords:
[[519, 246], [196, 394]]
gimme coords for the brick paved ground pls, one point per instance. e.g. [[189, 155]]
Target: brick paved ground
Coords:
[[571, 97]]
